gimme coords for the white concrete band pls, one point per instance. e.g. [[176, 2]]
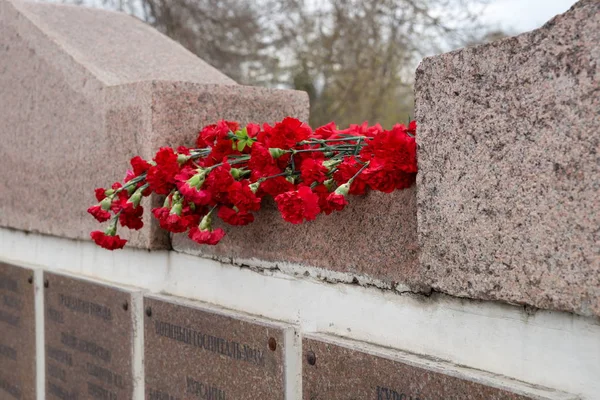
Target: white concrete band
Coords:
[[552, 349]]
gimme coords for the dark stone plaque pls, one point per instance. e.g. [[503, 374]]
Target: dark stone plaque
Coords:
[[17, 333], [332, 370], [198, 353], [89, 328]]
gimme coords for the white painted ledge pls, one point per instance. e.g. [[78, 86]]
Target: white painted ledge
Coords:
[[552, 349]]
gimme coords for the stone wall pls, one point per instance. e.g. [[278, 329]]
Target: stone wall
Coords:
[[91, 89], [418, 294], [508, 189]]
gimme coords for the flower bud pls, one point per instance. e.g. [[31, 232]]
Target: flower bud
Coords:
[[237, 173], [182, 158], [343, 189], [136, 198], [254, 187], [111, 230], [276, 153], [197, 180], [105, 204], [176, 209], [329, 184], [130, 189], [206, 223], [329, 164]]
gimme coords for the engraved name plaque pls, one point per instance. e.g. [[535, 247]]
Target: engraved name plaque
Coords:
[[337, 369], [193, 352], [17, 333], [89, 328]]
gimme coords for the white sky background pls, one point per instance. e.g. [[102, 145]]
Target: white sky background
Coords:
[[517, 16]]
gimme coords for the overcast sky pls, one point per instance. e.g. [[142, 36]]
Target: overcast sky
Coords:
[[516, 16]]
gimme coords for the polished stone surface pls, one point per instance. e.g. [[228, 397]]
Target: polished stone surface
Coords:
[[17, 333], [89, 339], [195, 352], [509, 171], [340, 370]]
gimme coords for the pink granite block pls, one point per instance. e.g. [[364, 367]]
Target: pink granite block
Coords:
[[508, 190], [373, 237], [82, 91]]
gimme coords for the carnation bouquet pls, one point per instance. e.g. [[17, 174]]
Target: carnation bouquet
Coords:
[[232, 168]]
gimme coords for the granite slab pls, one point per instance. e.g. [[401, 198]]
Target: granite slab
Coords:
[[89, 339], [194, 352], [17, 333], [335, 369]]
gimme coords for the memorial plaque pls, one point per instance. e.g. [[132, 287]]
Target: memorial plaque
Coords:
[[17, 333], [334, 370], [194, 352], [89, 341]]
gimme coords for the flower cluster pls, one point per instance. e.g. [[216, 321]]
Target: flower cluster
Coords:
[[231, 169]]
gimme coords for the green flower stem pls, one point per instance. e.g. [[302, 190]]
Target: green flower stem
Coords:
[[358, 173]]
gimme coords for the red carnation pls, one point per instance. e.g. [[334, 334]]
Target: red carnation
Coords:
[[205, 236], [98, 213], [220, 130], [325, 131], [252, 130], [173, 222], [361, 130], [230, 216], [220, 150], [346, 170], [313, 171], [161, 177], [381, 176], [276, 186], [323, 192], [337, 201], [100, 193], [191, 194], [260, 160], [298, 205], [109, 242], [139, 165], [131, 217], [395, 148], [241, 196], [120, 202], [412, 128], [285, 134], [219, 180]]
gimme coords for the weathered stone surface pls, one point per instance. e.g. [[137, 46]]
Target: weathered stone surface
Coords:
[[17, 333], [508, 188], [196, 352], [374, 236], [339, 370], [89, 339], [83, 90]]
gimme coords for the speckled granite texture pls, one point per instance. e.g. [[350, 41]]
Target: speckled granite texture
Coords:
[[82, 91], [508, 190]]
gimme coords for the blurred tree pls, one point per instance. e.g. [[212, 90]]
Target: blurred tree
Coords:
[[354, 58], [360, 55]]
